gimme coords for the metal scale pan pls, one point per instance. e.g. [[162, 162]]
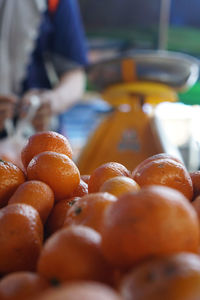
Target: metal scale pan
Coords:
[[179, 71]]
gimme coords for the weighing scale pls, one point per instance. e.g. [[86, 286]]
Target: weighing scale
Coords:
[[133, 84]]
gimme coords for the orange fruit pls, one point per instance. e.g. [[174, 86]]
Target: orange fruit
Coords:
[[81, 190], [57, 170], [85, 290], [119, 185], [85, 178], [103, 173], [58, 214], [89, 210], [196, 204], [11, 177], [13, 158], [21, 235], [22, 286], [195, 176], [175, 277], [37, 194], [73, 253], [45, 141], [153, 158], [165, 172], [156, 220]]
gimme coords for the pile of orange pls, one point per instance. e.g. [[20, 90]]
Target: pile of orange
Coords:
[[109, 235]]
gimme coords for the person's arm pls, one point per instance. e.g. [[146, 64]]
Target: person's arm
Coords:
[[69, 90], [55, 101]]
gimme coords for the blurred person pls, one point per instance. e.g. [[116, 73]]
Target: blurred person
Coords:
[[29, 30]]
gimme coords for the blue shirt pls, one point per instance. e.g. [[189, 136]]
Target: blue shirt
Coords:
[[60, 33]]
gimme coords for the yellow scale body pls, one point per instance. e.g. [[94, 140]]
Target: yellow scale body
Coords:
[[128, 135]]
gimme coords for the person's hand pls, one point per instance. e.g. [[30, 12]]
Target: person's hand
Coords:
[[7, 107], [42, 118]]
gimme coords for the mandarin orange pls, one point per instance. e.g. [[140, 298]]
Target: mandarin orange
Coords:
[[195, 176], [119, 185], [196, 204], [103, 173], [21, 236], [45, 141], [81, 190], [156, 157], [22, 286], [84, 290], [56, 170], [85, 178], [89, 210], [156, 220], [73, 253], [11, 177], [167, 172], [175, 277], [37, 194], [58, 214]]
